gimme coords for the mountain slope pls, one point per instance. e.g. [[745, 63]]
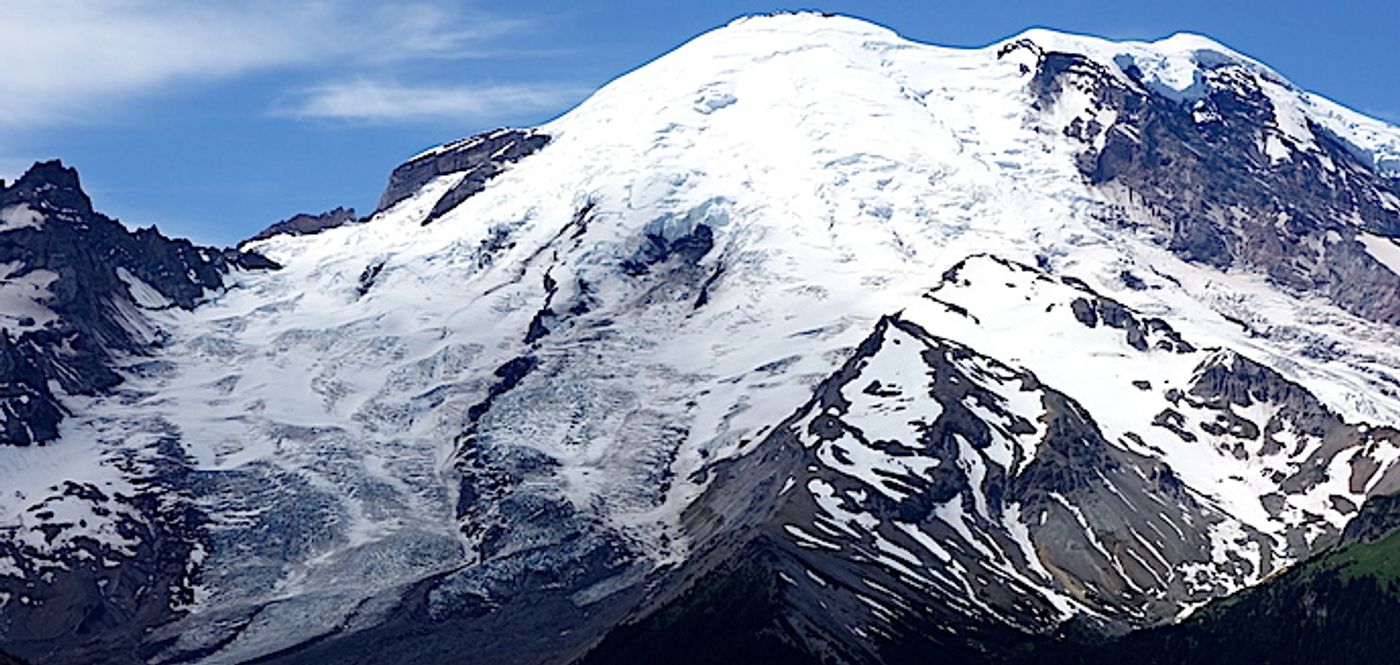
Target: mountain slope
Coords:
[[75, 279], [87, 532], [1337, 607], [941, 348]]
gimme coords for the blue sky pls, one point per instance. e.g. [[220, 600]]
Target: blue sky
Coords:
[[214, 119]]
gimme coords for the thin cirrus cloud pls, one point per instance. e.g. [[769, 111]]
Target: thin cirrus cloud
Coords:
[[381, 102], [73, 61]]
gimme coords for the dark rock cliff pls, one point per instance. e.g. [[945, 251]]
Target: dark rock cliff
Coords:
[[306, 224], [1225, 185], [479, 158]]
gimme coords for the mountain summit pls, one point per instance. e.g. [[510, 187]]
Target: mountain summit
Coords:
[[803, 343]]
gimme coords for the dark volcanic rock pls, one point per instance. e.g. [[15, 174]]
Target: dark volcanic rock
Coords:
[[89, 263], [91, 600], [481, 157], [29, 412], [1216, 195], [304, 224], [1231, 388], [658, 249], [1341, 606], [1379, 517]]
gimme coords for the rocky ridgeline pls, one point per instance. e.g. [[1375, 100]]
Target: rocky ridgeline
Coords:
[[72, 274], [1225, 183], [308, 224], [476, 159]]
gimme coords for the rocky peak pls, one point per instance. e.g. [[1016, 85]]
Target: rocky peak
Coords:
[[77, 292], [307, 224], [48, 185]]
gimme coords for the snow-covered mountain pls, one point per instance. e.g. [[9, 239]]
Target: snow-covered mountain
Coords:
[[929, 346]]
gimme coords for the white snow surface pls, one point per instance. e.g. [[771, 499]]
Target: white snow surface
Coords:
[[1374, 140], [24, 295], [1382, 249], [841, 168], [143, 294], [21, 216]]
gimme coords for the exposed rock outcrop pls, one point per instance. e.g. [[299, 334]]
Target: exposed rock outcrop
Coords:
[[478, 158], [1224, 180], [78, 282], [307, 224]]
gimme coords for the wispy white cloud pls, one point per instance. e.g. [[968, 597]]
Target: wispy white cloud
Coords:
[[379, 101], [401, 32], [76, 60]]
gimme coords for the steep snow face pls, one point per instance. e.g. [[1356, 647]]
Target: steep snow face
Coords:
[[1177, 68], [530, 389], [1374, 140], [1172, 67]]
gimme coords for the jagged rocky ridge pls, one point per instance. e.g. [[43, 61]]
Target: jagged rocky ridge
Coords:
[[1301, 196], [801, 307], [924, 528], [79, 289], [74, 283], [307, 224]]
